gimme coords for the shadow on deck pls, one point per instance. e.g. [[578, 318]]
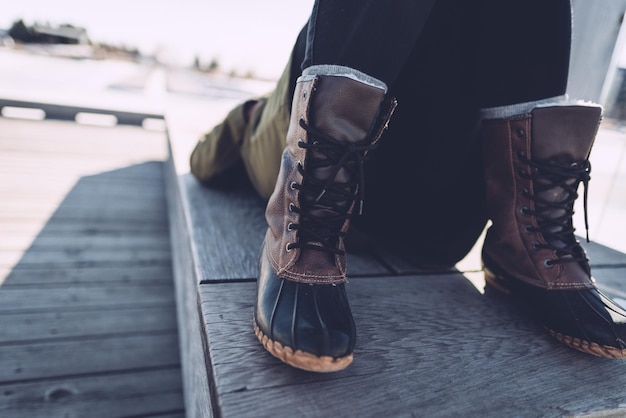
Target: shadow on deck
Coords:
[[87, 311]]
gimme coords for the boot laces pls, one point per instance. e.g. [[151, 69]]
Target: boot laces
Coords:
[[325, 203], [554, 216]]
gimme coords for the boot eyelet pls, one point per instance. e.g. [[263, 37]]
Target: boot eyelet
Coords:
[[521, 155], [290, 226], [520, 133], [299, 164], [304, 94], [291, 207], [525, 192], [548, 263], [524, 210], [528, 229], [293, 185], [535, 245], [288, 247], [301, 142]]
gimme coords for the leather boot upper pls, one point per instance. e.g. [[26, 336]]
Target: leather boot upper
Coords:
[[334, 121], [533, 166]]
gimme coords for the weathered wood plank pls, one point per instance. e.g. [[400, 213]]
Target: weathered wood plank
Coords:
[[435, 345], [87, 321], [155, 273], [64, 186], [86, 265], [134, 393], [612, 280], [601, 255], [29, 163], [82, 242], [146, 173], [153, 206], [85, 227], [20, 362], [74, 257], [194, 361], [92, 188], [123, 216], [59, 298]]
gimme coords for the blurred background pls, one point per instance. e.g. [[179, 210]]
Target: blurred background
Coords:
[[140, 55], [237, 36]]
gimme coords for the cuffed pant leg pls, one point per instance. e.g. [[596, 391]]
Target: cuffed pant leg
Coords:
[[219, 149], [264, 138], [257, 143]]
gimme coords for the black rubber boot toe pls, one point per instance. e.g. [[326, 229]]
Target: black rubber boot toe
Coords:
[[584, 319], [308, 326]]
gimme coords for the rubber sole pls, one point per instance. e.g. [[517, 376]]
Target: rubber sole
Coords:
[[301, 359], [589, 347]]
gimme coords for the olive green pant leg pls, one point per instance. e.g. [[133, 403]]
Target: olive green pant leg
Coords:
[[218, 149], [258, 142], [265, 138]]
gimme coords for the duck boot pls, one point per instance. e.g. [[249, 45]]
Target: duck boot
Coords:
[[302, 315], [534, 164]]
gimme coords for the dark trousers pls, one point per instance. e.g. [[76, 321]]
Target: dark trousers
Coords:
[[443, 60], [515, 51]]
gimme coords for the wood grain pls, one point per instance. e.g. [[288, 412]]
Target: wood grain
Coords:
[[132, 393], [88, 320], [427, 346]]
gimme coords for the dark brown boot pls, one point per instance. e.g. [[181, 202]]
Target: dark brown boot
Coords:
[[534, 164], [302, 315]]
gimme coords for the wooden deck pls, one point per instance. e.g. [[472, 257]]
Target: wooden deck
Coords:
[[87, 312], [88, 316], [429, 344]]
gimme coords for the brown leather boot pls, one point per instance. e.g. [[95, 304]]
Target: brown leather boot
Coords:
[[302, 315], [534, 164]]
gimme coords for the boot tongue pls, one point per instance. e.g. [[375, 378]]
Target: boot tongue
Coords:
[[344, 109], [565, 133]]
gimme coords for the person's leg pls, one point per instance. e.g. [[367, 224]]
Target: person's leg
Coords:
[[215, 159], [371, 36], [425, 189], [536, 147], [264, 140], [523, 51], [251, 138], [339, 112]]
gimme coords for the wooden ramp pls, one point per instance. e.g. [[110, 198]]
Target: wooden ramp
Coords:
[[429, 344], [87, 316]]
